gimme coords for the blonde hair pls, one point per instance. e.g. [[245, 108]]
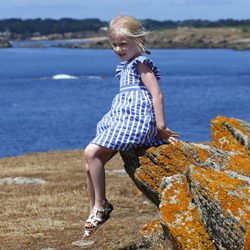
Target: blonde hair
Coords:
[[130, 28]]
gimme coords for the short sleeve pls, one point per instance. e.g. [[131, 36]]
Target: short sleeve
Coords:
[[119, 69], [143, 59]]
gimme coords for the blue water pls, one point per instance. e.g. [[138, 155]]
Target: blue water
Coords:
[[39, 113]]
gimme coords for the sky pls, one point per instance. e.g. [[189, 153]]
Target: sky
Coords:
[[141, 9]]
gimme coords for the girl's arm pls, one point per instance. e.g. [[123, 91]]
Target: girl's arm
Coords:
[[151, 83]]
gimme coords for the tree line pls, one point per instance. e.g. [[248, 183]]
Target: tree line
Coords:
[[195, 23], [64, 25], [49, 26]]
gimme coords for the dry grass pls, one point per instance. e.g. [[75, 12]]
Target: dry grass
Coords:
[[223, 31], [52, 215]]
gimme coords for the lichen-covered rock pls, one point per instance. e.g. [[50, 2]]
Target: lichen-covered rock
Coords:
[[202, 191], [181, 216], [224, 203], [231, 134]]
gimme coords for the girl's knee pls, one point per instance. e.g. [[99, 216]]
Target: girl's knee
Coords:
[[89, 152], [93, 151]]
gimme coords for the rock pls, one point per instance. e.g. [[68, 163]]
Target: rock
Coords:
[[5, 42], [202, 191], [224, 204], [231, 134], [83, 244], [118, 172], [49, 248], [21, 181], [180, 215]]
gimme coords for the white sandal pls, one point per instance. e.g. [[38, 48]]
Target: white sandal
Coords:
[[94, 222]]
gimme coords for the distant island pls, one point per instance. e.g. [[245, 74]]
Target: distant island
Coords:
[[229, 33]]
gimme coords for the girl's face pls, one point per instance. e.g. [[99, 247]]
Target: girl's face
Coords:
[[124, 48]]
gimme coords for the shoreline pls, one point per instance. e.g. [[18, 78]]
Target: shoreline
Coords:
[[182, 37]]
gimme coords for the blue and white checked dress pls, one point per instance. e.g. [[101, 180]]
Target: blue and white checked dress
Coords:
[[131, 120]]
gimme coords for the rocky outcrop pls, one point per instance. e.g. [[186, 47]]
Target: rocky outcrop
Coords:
[[4, 42], [231, 134], [98, 43], [202, 191]]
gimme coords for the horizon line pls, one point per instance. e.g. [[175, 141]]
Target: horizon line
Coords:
[[91, 18]]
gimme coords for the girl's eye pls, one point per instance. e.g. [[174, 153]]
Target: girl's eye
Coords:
[[122, 44]]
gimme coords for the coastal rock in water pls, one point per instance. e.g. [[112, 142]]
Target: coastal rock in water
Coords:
[[4, 42], [202, 192]]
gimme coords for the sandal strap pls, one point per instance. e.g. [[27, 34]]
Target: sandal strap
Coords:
[[105, 210], [107, 207], [97, 209], [94, 221], [87, 232], [94, 218]]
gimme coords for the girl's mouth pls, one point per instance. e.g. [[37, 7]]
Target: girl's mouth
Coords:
[[121, 55]]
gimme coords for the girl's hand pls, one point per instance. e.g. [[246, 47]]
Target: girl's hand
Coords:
[[168, 134]]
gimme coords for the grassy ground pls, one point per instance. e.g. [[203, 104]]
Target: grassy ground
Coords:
[[237, 38], [52, 215]]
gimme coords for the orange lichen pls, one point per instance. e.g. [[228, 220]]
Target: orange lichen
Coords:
[[231, 194], [203, 154], [224, 139], [151, 176], [240, 163], [160, 162], [172, 157], [181, 217]]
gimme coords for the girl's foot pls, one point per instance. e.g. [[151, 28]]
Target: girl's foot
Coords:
[[97, 218]]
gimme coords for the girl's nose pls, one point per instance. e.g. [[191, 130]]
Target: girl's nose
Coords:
[[118, 49]]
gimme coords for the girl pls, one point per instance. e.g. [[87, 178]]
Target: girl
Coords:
[[136, 117]]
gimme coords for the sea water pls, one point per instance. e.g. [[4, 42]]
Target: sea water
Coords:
[[52, 98]]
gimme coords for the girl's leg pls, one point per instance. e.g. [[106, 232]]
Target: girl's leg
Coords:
[[96, 157], [91, 190]]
